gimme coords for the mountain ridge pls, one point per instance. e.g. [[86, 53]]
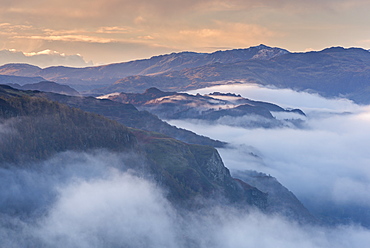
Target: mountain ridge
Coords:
[[93, 77], [47, 86], [332, 72], [36, 128], [212, 107]]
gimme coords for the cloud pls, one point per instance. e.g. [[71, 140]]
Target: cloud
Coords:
[[101, 44], [94, 200], [79, 38], [7, 131], [9, 29], [122, 210], [43, 58], [113, 30], [202, 26], [98, 8], [325, 163], [223, 33], [6, 127], [286, 98]]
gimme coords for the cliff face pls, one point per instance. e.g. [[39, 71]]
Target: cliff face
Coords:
[[215, 169], [198, 170], [279, 199]]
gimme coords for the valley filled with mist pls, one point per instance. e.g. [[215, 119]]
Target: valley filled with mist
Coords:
[[324, 162]]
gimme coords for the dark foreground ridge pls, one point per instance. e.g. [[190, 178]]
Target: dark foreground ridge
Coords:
[[130, 116], [36, 128]]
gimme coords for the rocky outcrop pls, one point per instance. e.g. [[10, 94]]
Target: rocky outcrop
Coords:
[[279, 199], [215, 169]]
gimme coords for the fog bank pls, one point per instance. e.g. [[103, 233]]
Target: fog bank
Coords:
[[93, 200], [285, 98], [325, 163]]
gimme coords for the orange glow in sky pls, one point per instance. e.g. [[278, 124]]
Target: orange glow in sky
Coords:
[[106, 31]]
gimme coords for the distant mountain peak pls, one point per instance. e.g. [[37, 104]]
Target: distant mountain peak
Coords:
[[343, 49], [261, 46], [48, 86], [153, 90]]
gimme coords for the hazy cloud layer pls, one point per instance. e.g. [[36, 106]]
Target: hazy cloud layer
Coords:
[[81, 200], [42, 59], [286, 98], [326, 163]]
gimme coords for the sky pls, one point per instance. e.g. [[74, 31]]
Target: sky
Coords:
[[81, 33]]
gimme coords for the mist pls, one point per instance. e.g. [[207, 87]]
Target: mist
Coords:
[[325, 163], [96, 200], [286, 98]]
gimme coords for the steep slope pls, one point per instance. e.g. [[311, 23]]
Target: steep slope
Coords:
[[190, 171], [331, 72], [279, 199], [34, 128], [129, 116], [99, 76]]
